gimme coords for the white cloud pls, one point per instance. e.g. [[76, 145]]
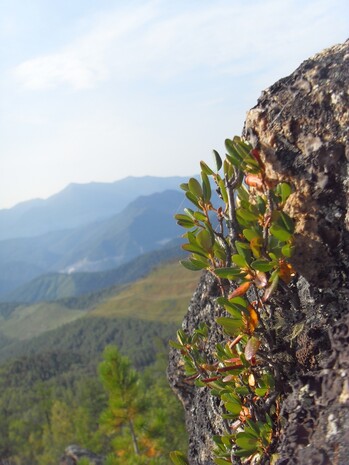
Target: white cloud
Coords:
[[233, 38]]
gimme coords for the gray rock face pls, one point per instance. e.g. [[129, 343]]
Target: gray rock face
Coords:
[[300, 124]]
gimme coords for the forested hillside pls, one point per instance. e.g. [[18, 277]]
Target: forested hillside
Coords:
[[50, 392]]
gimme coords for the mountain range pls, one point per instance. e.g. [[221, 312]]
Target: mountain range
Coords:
[[133, 228]]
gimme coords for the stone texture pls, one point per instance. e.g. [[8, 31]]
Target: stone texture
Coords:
[[300, 124]]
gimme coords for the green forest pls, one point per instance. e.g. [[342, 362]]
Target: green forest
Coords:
[[50, 400], [59, 381]]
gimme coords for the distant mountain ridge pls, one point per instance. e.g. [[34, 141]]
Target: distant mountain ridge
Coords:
[[79, 204], [146, 224], [54, 286]]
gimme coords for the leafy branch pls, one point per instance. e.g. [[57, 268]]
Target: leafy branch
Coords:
[[245, 243]]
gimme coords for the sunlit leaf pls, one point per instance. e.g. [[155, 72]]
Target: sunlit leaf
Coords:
[[287, 221], [284, 190], [205, 240], [228, 273], [223, 191], [262, 265], [246, 215], [274, 281], [233, 155], [247, 442], [178, 458], [256, 245], [254, 180], [260, 279], [231, 326], [190, 196], [239, 260], [244, 250], [252, 347], [195, 187], [192, 266], [288, 250], [250, 234], [241, 290], [205, 168], [251, 321], [280, 232]]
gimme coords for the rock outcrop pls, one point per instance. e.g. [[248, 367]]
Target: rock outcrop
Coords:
[[300, 124]]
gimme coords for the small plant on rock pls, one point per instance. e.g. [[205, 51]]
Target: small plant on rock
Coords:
[[245, 243]]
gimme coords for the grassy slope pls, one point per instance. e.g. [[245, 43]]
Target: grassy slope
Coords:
[[163, 295], [30, 321]]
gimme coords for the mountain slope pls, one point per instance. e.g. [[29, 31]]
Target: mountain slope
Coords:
[[144, 225], [77, 205], [54, 286], [161, 297]]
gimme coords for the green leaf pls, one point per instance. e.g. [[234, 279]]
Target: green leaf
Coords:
[[190, 196], [176, 345], [195, 187], [223, 190], [238, 301], [184, 186], [206, 169], [190, 265], [194, 249], [261, 392], [242, 391], [205, 240], [288, 250], [250, 234], [247, 442], [243, 194], [233, 154], [230, 325], [280, 233], [178, 458], [262, 265], [239, 260], [200, 217], [185, 224], [244, 250], [182, 337], [189, 212], [284, 190], [287, 222], [185, 221], [220, 461], [228, 273], [218, 160], [246, 215], [206, 187], [242, 453]]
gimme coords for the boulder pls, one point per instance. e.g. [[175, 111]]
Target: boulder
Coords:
[[300, 125]]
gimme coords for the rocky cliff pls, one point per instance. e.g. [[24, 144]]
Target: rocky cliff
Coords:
[[300, 125]]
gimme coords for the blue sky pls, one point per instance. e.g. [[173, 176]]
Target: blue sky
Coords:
[[100, 90]]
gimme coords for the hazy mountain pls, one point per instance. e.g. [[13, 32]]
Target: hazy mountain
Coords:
[[54, 286], [160, 297], [78, 204], [146, 224]]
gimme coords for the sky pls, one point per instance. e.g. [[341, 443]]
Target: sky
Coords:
[[97, 90]]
